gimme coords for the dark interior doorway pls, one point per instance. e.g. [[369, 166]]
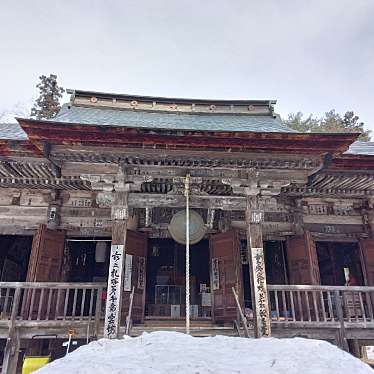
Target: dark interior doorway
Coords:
[[333, 257], [14, 257], [275, 265], [166, 270], [275, 262], [83, 261]]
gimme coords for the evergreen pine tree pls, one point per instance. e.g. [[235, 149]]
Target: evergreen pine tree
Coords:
[[330, 122], [47, 104]]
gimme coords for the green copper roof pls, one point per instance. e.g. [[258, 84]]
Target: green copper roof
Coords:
[[166, 120]]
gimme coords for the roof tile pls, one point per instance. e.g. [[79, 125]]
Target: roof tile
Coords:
[[361, 148], [12, 131], [175, 121]]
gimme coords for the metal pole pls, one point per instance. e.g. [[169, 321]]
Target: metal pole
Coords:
[[186, 192], [68, 345]]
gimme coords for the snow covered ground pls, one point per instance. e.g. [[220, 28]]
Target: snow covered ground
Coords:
[[176, 353]]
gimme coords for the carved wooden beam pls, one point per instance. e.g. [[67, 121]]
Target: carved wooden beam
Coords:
[[175, 159], [153, 200], [142, 200], [254, 182], [111, 182], [264, 175]]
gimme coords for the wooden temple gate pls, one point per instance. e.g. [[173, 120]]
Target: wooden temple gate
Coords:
[[69, 181]]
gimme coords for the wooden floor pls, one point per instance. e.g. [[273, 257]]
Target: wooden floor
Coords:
[[84, 329]]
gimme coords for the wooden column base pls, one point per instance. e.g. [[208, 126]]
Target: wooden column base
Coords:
[[11, 353]]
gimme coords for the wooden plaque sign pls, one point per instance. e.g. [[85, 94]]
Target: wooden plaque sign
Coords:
[[141, 273], [215, 274]]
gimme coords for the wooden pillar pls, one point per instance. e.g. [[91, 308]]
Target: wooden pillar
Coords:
[[367, 260], [116, 266], [260, 304], [11, 353]]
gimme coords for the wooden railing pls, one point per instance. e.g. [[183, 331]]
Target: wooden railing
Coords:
[[61, 304], [321, 305], [42, 302]]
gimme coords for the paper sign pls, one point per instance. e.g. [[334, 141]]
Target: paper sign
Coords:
[[128, 273]]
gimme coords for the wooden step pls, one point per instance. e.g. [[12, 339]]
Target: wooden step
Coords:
[[198, 328], [182, 323], [196, 333]]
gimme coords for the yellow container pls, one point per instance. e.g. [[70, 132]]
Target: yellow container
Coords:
[[33, 363]]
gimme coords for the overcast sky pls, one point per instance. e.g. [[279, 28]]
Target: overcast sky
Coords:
[[310, 55]]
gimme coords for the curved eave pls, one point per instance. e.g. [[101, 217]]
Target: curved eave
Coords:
[[78, 134], [353, 162], [17, 148]]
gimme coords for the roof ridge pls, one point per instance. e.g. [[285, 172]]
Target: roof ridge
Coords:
[[171, 112], [88, 93]]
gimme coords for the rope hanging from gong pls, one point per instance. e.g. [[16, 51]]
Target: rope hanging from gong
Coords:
[[186, 193]]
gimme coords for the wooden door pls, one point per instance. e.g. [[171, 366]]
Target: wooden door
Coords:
[[302, 260], [46, 256], [136, 256], [226, 272], [367, 260], [44, 266]]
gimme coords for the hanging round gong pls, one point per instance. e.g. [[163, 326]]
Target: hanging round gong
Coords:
[[177, 227]]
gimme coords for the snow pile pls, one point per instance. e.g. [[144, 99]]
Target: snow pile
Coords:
[[176, 353]]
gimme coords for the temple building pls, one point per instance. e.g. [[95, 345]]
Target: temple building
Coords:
[[93, 212]]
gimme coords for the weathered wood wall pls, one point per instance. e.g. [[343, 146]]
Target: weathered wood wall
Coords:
[[23, 210]]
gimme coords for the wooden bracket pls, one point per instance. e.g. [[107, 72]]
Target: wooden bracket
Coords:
[[55, 166]]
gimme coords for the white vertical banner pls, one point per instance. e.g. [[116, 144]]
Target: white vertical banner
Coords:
[[260, 292], [128, 273], [113, 302]]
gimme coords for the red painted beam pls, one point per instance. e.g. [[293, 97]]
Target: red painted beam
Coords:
[[353, 162], [63, 133], [19, 148]]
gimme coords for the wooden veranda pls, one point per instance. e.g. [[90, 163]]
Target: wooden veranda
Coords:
[[331, 312]]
